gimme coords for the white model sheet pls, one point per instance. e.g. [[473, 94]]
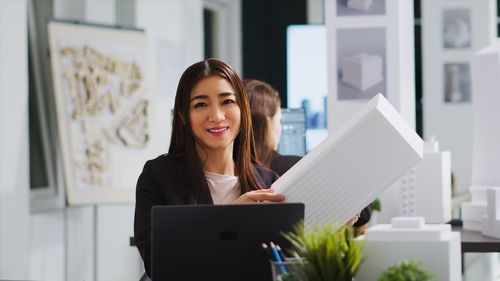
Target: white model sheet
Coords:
[[356, 163]]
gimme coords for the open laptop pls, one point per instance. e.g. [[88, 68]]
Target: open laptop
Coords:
[[222, 242]]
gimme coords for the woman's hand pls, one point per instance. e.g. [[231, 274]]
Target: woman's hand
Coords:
[[261, 195]]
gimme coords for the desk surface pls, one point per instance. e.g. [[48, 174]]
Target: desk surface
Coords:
[[472, 241], [475, 241]]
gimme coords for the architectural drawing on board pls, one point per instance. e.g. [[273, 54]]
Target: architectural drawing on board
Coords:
[[103, 97]]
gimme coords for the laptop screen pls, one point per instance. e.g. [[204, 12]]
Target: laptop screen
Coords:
[[221, 242]]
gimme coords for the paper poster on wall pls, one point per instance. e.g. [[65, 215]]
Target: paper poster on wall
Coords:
[[457, 83], [360, 7], [456, 28], [361, 63], [103, 97]]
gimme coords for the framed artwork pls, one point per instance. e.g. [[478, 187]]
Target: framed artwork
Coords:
[[457, 82], [456, 28], [360, 7], [361, 63], [103, 100]]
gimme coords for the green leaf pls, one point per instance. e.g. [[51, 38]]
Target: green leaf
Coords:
[[377, 205], [332, 253], [406, 271]]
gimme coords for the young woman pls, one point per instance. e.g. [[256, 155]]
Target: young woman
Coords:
[[211, 159], [266, 121], [266, 117]]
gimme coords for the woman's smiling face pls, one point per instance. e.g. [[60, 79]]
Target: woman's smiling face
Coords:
[[214, 114]]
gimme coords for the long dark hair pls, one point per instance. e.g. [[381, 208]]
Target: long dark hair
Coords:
[[264, 103], [183, 140]]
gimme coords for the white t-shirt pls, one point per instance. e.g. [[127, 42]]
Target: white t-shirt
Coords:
[[224, 189]]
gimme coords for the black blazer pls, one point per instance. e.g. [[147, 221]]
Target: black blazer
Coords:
[[167, 180], [282, 163]]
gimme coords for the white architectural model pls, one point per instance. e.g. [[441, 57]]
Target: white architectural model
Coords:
[[425, 191], [433, 185], [485, 70], [474, 211], [491, 222], [349, 169], [362, 71], [360, 5], [410, 238]]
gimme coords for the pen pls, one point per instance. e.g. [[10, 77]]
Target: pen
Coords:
[[268, 251], [277, 257]]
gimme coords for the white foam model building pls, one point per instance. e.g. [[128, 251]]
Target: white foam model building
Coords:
[[424, 191], [350, 168], [485, 70], [432, 186], [474, 211], [362, 71], [490, 225], [410, 238], [360, 5]]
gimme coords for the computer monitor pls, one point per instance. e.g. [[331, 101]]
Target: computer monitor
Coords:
[[218, 242], [293, 132]]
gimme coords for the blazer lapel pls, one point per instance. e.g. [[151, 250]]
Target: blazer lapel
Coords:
[[185, 179]]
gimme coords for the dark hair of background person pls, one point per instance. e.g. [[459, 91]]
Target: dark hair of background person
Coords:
[[184, 142], [264, 103]]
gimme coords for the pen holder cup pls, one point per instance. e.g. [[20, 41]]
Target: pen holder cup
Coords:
[[289, 270]]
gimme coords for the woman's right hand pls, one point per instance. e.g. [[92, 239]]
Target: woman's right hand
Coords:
[[258, 196]]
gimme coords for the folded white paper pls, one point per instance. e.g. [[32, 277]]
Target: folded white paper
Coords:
[[350, 168]]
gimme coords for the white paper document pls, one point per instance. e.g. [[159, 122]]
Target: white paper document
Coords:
[[356, 163]]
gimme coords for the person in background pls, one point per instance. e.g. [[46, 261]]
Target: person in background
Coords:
[[265, 105], [211, 159]]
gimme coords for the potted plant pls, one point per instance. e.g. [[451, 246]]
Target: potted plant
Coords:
[[330, 253], [410, 270]]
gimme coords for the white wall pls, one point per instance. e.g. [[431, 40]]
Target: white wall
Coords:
[[452, 123], [315, 12], [88, 242], [14, 184], [396, 23], [176, 42]]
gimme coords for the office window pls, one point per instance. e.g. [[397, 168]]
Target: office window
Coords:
[[293, 132], [45, 193], [307, 85]]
